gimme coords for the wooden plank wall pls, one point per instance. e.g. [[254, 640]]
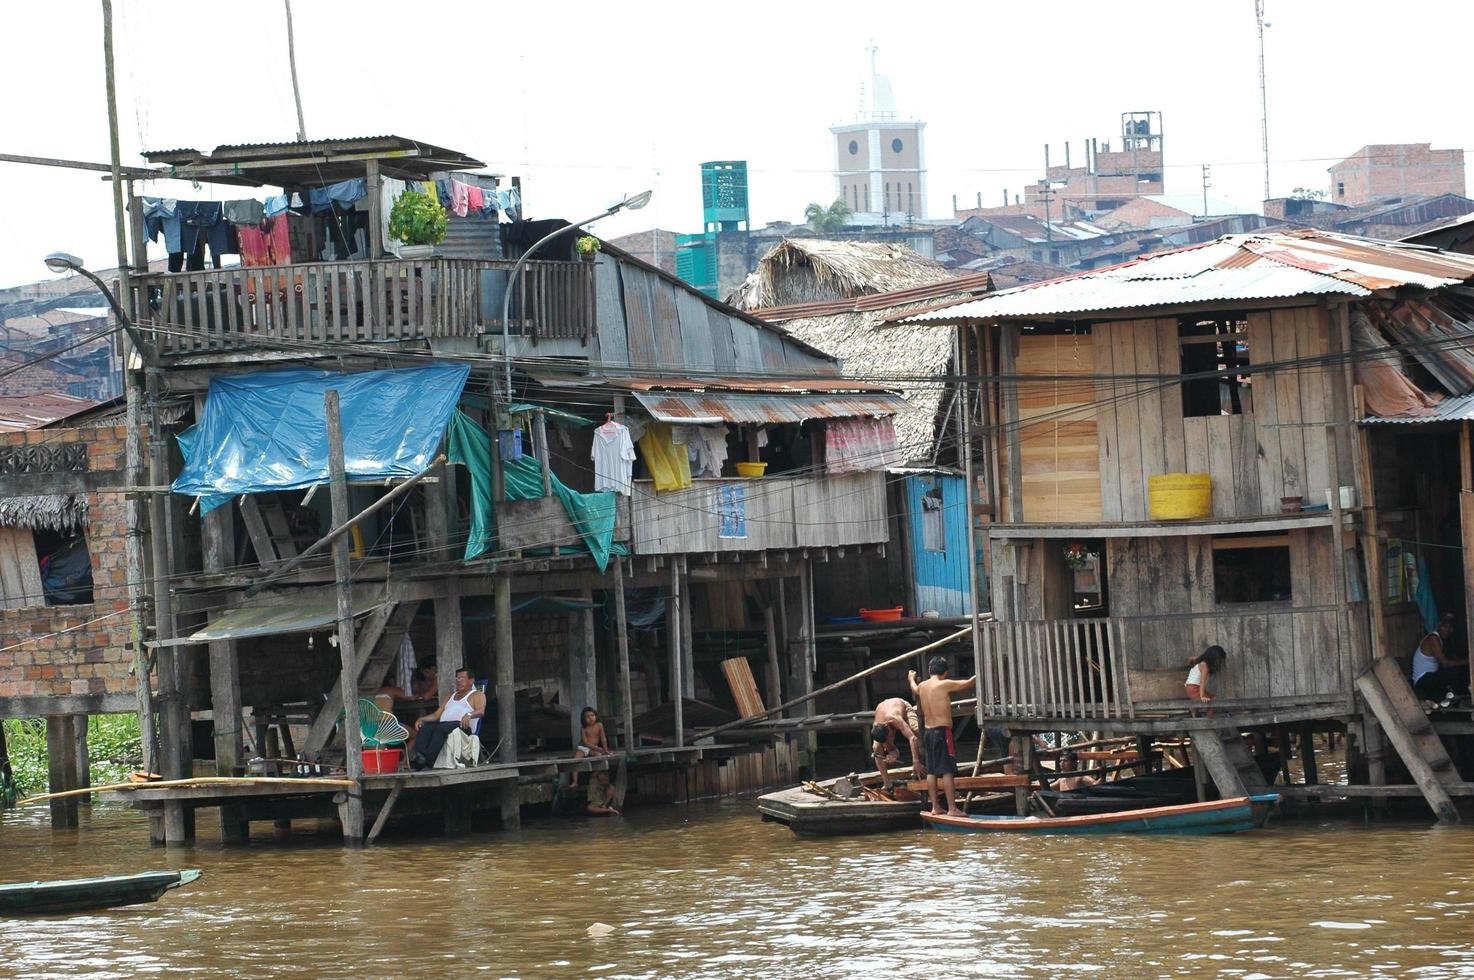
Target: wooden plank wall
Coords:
[[782, 513], [20, 570], [1057, 430], [1278, 449], [1162, 589]]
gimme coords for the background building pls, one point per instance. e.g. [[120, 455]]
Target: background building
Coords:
[[880, 158], [1383, 170]]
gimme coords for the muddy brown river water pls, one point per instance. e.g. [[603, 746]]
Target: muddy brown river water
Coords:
[[709, 891]]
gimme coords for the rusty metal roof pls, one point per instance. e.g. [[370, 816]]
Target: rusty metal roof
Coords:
[[772, 386], [1457, 409], [310, 162], [1234, 268], [977, 282], [758, 407], [21, 412]]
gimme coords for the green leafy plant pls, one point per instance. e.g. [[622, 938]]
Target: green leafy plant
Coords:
[[587, 245], [417, 219], [114, 745]]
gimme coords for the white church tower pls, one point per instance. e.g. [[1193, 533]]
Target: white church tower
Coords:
[[880, 159]]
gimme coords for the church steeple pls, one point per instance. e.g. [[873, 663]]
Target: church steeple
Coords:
[[880, 166]]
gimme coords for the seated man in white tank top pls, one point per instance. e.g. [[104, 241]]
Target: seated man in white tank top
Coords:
[[463, 709], [1436, 675]]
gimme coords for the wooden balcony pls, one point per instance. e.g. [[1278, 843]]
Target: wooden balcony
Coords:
[[1280, 659], [315, 303], [766, 513]]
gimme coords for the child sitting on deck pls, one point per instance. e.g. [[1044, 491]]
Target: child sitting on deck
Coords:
[[1204, 665], [591, 737]]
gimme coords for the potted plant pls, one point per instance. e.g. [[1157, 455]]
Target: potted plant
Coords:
[[587, 247], [417, 220]]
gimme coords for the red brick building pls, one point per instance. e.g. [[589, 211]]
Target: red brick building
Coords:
[[1385, 170]]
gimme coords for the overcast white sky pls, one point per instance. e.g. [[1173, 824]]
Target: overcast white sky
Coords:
[[588, 101]]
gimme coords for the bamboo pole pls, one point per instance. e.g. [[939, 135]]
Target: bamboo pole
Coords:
[[195, 781], [898, 659], [352, 811]]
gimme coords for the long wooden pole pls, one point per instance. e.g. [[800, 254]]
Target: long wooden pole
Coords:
[[292, 63], [352, 809], [959, 350], [622, 637], [893, 661], [675, 634], [196, 781]]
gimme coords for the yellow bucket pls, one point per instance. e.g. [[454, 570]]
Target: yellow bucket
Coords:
[[1179, 496]]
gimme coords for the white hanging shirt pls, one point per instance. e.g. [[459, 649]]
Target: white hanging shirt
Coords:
[[614, 458]]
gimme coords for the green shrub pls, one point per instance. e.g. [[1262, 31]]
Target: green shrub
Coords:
[[114, 745], [417, 219]]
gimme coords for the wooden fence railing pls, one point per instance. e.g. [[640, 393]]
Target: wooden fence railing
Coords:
[[1054, 669], [314, 303]]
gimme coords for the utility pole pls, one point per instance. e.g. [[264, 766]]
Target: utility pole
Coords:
[[1044, 193], [1263, 96], [1207, 172], [133, 439], [292, 61]]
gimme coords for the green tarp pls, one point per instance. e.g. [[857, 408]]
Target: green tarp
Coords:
[[592, 514]]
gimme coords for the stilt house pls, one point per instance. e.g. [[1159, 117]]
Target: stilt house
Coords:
[[1316, 385]]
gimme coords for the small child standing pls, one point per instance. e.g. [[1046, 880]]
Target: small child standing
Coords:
[[1204, 666]]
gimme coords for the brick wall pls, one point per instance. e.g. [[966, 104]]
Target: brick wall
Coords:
[[58, 651], [1382, 171]]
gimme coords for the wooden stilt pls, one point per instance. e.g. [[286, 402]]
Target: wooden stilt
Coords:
[[217, 542], [1307, 753], [506, 697], [688, 649], [383, 817], [774, 676], [173, 709], [675, 631], [583, 681], [352, 809], [82, 762], [61, 769], [621, 632]]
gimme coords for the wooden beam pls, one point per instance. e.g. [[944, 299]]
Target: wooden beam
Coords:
[[621, 635], [1008, 343], [1466, 533], [352, 808], [61, 769], [1407, 748], [217, 534], [385, 809], [675, 633]]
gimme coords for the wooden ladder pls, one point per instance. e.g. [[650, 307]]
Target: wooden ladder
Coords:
[[267, 527], [1390, 696], [376, 644], [1226, 756]]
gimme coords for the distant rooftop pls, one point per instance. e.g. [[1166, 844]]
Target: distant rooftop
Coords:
[[309, 163]]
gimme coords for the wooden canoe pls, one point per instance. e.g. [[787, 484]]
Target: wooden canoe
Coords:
[[81, 894], [1216, 817]]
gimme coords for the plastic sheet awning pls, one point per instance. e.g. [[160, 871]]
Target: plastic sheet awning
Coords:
[[708, 407], [267, 430], [253, 621]]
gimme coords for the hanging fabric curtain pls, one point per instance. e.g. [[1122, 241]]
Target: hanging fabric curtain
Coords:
[[669, 465]]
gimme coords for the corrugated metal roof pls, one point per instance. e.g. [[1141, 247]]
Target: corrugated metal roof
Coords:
[[22, 412], [1274, 265], [726, 406], [251, 621], [770, 386], [1458, 409]]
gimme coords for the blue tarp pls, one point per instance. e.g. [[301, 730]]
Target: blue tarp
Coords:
[[268, 431]]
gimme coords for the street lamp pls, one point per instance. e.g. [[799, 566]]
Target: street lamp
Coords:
[[634, 203], [66, 262]]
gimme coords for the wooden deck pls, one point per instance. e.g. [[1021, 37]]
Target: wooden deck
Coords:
[[313, 303]]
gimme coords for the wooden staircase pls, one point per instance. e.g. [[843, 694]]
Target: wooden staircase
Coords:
[[376, 644], [1390, 696], [1226, 757], [268, 528]]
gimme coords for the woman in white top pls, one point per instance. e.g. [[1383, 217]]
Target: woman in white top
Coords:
[[1204, 666]]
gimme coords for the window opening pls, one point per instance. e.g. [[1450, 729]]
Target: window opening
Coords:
[[1251, 568], [933, 523], [1213, 351]]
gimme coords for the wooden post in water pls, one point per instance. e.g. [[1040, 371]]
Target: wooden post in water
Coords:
[[621, 633], [583, 680], [675, 632], [61, 769], [774, 677], [351, 810], [506, 695], [217, 533], [688, 647]]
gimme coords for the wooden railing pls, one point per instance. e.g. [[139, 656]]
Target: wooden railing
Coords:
[[314, 303], [1054, 669], [764, 513]]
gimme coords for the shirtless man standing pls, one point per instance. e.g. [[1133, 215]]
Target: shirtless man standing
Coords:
[[895, 716], [935, 697]]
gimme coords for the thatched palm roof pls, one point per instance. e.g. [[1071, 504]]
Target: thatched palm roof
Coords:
[[808, 270], [855, 328], [61, 512]]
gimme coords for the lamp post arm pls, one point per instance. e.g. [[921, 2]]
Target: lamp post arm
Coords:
[[123, 319], [512, 284]]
